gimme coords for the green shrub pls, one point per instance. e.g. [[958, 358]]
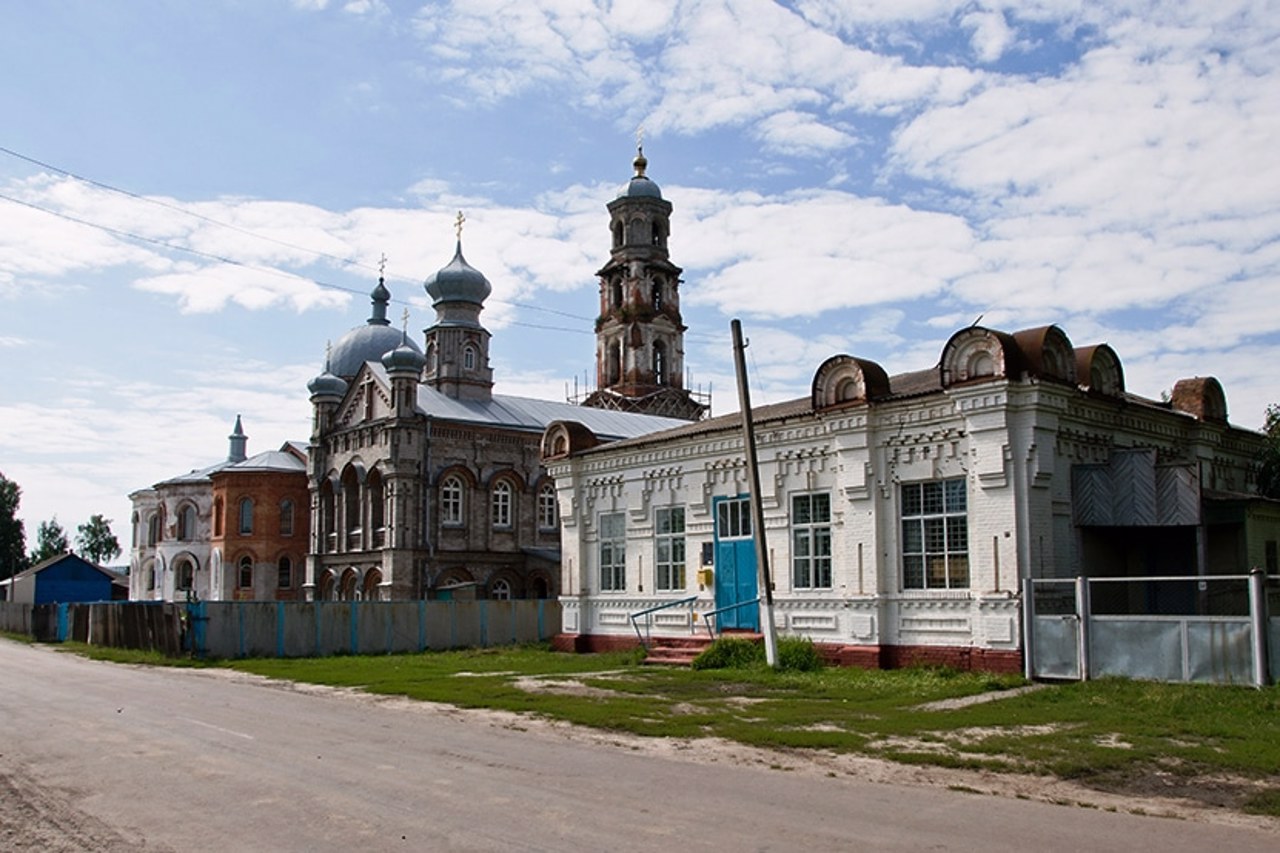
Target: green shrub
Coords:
[[799, 654], [730, 653]]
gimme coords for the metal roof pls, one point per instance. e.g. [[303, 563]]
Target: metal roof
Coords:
[[525, 413]]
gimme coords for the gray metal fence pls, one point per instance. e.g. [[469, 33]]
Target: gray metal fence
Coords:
[[1210, 629]]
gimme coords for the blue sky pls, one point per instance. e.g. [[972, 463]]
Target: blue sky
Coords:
[[860, 177]]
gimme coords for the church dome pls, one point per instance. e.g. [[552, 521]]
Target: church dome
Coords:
[[458, 282], [640, 186], [405, 357], [368, 342], [327, 385]]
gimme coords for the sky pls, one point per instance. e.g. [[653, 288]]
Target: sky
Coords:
[[195, 197]]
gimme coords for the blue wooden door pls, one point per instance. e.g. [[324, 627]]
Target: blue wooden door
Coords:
[[735, 565]]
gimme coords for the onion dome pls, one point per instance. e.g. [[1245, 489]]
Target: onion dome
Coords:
[[404, 358], [640, 186], [368, 342], [458, 281], [326, 384]]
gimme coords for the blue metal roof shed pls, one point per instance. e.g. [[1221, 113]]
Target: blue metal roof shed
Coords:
[[63, 579]]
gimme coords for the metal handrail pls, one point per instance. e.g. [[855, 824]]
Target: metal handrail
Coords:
[[655, 609], [706, 618]]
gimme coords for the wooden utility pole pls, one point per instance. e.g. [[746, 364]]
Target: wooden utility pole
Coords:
[[757, 509]]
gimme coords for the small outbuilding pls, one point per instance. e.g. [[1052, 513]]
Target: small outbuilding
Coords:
[[63, 579]]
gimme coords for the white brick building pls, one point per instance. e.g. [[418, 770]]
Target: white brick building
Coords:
[[901, 512]]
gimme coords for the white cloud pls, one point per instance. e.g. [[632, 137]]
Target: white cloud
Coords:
[[991, 34]]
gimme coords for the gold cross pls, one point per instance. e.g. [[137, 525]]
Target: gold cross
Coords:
[[457, 224]]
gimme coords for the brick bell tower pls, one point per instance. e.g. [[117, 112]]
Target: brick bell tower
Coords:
[[639, 333]]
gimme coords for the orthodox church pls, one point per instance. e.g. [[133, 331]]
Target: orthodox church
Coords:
[[425, 483]]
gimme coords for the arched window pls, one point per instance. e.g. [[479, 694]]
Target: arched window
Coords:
[[657, 233], [187, 523], [137, 529], [246, 516], [245, 575], [614, 373], [431, 357], [469, 358], [655, 295], [547, 507], [217, 517], [502, 504], [153, 530], [151, 577], [659, 363], [617, 234], [615, 295], [183, 575], [501, 590], [284, 573], [286, 517], [451, 501]]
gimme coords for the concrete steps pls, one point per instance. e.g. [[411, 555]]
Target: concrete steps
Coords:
[[680, 651]]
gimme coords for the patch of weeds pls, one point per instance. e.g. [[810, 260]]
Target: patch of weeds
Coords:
[[1264, 803], [730, 653], [798, 654]]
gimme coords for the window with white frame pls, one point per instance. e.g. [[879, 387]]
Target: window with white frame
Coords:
[[501, 590], [668, 523], [245, 578], [451, 501], [811, 541], [246, 516], [547, 509], [469, 358], [501, 506], [613, 552], [935, 535]]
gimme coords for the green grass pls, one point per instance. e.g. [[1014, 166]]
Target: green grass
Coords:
[[1112, 734]]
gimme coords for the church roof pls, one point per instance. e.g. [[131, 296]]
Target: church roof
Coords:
[[458, 281], [369, 342], [526, 413], [270, 460]]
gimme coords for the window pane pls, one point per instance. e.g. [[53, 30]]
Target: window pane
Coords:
[[936, 572], [822, 507], [911, 499], [931, 498], [800, 506], [934, 536], [957, 534], [958, 568], [912, 536], [913, 572], [955, 495], [822, 542]]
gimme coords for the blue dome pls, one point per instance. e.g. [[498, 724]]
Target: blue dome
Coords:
[[640, 186], [458, 282], [326, 385], [368, 342], [404, 357]]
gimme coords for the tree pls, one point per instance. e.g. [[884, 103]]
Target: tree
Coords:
[[96, 541], [13, 539], [51, 540], [1269, 463]]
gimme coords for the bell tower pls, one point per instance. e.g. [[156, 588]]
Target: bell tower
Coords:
[[639, 332]]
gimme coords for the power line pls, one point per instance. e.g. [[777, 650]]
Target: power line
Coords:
[[346, 262]]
